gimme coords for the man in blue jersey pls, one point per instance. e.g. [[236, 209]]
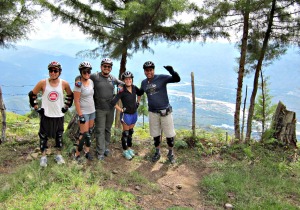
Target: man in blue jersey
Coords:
[[160, 110]]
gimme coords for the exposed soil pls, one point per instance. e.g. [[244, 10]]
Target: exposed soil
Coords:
[[159, 185]]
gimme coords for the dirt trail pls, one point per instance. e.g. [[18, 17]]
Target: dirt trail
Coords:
[[159, 185], [176, 185]]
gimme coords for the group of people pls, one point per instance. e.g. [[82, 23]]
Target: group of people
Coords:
[[95, 103]]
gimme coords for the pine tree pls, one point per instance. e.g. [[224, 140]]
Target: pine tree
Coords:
[[264, 108], [16, 21]]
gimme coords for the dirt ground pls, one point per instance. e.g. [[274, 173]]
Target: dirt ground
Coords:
[[163, 185]]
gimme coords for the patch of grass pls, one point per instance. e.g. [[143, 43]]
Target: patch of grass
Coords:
[[58, 186], [262, 180]]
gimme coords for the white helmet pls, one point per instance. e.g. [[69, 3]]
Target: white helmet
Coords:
[[84, 65], [106, 60]]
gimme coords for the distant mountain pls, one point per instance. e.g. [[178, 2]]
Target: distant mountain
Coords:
[[214, 66]]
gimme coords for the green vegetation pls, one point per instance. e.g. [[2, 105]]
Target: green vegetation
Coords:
[[248, 176]]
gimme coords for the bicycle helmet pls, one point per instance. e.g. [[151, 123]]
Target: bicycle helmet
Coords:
[[84, 65], [106, 60], [54, 64], [126, 74], [148, 64]]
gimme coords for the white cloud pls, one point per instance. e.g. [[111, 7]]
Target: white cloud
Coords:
[[45, 28]]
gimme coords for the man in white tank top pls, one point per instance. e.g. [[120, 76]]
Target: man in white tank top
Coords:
[[52, 109]]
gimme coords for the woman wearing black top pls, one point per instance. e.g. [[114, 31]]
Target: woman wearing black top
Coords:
[[129, 94]]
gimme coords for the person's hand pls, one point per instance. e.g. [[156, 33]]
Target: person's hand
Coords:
[[64, 109], [40, 111], [81, 119], [169, 69], [123, 110]]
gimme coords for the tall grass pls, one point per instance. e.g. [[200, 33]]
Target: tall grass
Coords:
[[267, 181], [60, 187]]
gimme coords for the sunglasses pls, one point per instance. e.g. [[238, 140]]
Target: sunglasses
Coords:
[[53, 70], [106, 66], [86, 71]]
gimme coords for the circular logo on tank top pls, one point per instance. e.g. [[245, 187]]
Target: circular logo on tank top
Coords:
[[53, 96]]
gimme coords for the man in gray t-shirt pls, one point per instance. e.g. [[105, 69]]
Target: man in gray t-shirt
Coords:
[[104, 84]]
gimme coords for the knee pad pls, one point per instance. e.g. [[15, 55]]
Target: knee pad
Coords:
[[170, 142], [124, 139], [156, 141], [81, 143], [87, 139], [58, 140], [129, 140], [131, 131], [43, 141]]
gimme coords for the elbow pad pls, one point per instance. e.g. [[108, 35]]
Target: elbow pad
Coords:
[[69, 100], [32, 98]]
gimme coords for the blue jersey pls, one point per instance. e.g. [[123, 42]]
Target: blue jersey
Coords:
[[156, 90]]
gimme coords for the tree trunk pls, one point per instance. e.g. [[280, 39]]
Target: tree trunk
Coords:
[[73, 128], [257, 71], [3, 114], [241, 73], [193, 106], [122, 70], [244, 110], [284, 125], [263, 122]]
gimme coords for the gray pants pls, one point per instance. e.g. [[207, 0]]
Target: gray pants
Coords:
[[103, 123]]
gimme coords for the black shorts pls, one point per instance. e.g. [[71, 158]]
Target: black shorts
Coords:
[[51, 126]]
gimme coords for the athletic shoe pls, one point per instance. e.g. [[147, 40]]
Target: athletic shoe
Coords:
[[131, 152], [59, 159], [43, 161], [100, 157], [127, 155], [107, 152], [156, 157], [171, 158], [88, 156], [76, 158]]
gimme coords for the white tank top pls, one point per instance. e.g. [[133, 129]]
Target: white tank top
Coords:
[[53, 100]]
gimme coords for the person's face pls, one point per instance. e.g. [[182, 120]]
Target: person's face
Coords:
[[128, 81], [149, 72], [106, 69], [54, 73], [86, 73]]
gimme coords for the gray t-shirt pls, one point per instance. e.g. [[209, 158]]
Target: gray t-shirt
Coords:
[[87, 104], [104, 90]]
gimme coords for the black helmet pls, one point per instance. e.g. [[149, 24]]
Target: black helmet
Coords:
[[148, 64], [54, 64], [106, 60], [84, 65], [126, 74]]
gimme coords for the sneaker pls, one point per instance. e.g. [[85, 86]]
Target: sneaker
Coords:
[[43, 161], [88, 156], [59, 159], [156, 157], [171, 158], [107, 152], [76, 158], [131, 152], [100, 157], [127, 155]]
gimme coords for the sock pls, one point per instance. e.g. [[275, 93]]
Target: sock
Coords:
[[170, 152], [157, 150]]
